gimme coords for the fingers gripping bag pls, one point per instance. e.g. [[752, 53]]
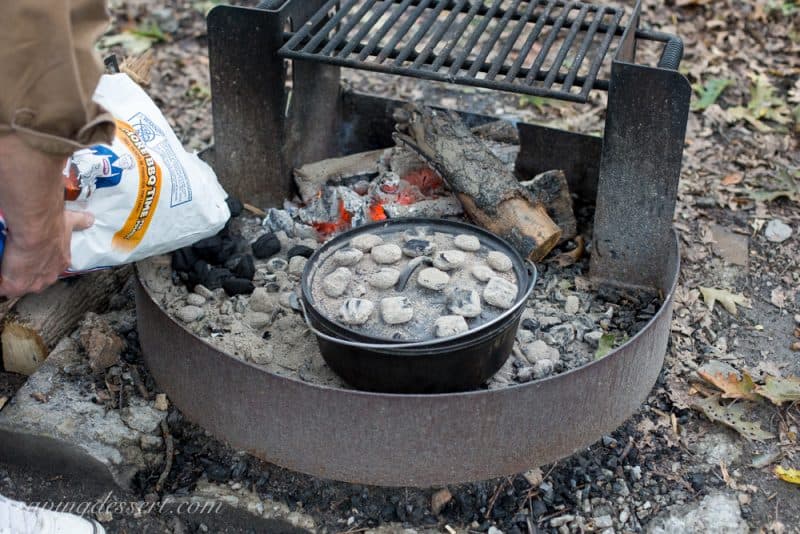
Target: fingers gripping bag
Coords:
[[148, 195]]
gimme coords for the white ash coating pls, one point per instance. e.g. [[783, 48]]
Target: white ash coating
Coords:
[[263, 301], [464, 302], [396, 310], [433, 278], [296, 265], [347, 256], [500, 293], [386, 254], [450, 325], [195, 300], [482, 273], [467, 242], [366, 242], [539, 350], [543, 368], [355, 311], [447, 260], [277, 264], [383, 279], [572, 305], [335, 284], [499, 261], [190, 314]]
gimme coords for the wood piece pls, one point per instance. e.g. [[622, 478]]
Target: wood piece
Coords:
[[40, 320], [490, 193], [551, 189], [499, 131], [312, 176]]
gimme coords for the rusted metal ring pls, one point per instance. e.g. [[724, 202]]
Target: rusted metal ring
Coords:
[[402, 440]]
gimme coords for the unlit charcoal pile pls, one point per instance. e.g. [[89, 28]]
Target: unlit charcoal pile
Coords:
[[413, 285]]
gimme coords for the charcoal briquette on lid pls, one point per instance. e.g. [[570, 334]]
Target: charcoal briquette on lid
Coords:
[[300, 250]]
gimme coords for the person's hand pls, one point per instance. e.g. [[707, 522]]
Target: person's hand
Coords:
[[39, 229]]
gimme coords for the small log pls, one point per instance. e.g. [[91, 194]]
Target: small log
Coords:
[[491, 195], [40, 320], [312, 176], [551, 189]]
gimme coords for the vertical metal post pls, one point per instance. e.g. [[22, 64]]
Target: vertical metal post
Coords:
[[248, 103], [314, 110], [639, 172]]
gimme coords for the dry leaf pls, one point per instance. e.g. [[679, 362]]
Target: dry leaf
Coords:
[[728, 380], [726, 298], [565, 259], [732, 415], [791, 476], [440, 499], [778, 298], [3, 401], [732, 179], [780, 390]]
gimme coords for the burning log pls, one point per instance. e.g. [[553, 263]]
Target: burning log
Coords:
[[490, 193], [39, 320]]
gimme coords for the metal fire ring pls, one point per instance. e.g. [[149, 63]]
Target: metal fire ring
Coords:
[[402, 440]]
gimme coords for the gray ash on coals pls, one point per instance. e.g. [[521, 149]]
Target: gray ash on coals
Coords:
[[566, 323]]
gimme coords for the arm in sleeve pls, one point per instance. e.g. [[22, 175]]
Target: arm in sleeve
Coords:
[[48, 73]]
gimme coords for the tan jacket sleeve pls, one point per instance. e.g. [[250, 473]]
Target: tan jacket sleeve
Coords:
[[48, 73]]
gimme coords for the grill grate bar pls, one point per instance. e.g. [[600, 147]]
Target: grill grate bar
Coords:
[[587, 41], [565, 47], [489, 45], [364, 54], [365, 28], [473, 40], [424, 28], [601, 52], [403, 30], [470, 42], [512, 39], [345, 28], [332, 22], [458, 32], [548, 43], [437, 37]]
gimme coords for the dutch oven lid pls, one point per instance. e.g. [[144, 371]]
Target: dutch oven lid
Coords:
[[414, 280]]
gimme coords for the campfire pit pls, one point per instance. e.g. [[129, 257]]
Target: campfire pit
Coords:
[[631, 176]]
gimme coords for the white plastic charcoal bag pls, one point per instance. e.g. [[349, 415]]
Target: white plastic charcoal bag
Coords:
[[147, 194]]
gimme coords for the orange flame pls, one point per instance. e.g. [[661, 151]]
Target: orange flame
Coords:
[[325, 229]]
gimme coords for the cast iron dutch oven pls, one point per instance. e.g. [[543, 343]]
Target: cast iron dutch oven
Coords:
[[438, 365]]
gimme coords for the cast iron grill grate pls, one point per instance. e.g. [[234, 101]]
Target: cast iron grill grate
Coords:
[[549, 48]]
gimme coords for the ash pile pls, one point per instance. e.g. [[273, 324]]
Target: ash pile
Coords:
[[239, 289]]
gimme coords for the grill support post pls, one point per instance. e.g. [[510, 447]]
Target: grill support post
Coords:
[[640, 168], [257, 140]]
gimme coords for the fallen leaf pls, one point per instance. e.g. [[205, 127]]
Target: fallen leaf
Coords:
[[780, 390], [729, 381], [565, 259], [133, 42], [732, 415], [3, 401], [726, 298], [709, 92], [791, 476], [763, 460], [778, 298], [605, 345], [732, 179], [439, 500], [763, 105]]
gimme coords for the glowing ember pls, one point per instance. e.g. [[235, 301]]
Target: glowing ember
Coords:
[[376, 212], [425, 179], [326, 228]]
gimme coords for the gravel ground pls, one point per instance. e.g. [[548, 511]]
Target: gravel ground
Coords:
[[668, 468]]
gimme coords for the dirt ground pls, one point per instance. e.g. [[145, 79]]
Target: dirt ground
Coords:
[[741, 174]]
